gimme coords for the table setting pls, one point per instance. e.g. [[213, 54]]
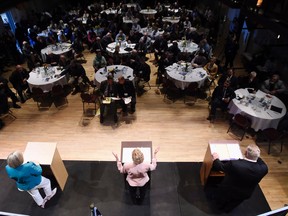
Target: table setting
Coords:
[[264, 110], [183, 74]]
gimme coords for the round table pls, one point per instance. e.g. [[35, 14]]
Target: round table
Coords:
[[58, 49], [182, 78], [186, 46], [125, 48], [171, 19], [148, 12], [46, 80], [122, 70], [111, 11], [261, 117]]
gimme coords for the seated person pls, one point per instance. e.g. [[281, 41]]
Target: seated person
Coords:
[[5, 91], [137, 176], [211, 68], [52, 59], [142, 75], [120, 37], [160, 46], [108, 88], [199, 60], [250, 81], [63, 61], [126, 89], [174, 49], [241, 177], [273, 86], [97, 45], [78, 78], [19, 79], [229, 76], [221, 97], [99, 61]]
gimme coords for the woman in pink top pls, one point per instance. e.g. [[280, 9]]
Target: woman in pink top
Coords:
[[137, 176]]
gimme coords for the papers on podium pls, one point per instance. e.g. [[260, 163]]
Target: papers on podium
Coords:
[[127, 154], [227, 151], [108, 100], [127, 100]]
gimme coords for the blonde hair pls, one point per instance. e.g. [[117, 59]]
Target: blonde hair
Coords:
[[137, 156], [252, 152], [15, 159]]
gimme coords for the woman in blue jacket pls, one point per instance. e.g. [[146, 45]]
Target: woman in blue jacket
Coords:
[[28, 178]]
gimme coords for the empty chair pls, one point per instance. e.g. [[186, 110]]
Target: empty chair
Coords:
[[43, 99], [59, 96], [190, 93], [270, 135], [89, 99], [241, 122]]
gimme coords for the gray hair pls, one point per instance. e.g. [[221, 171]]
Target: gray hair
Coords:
[[15, 159], [252, 152]]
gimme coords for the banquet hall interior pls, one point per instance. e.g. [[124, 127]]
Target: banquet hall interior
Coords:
[[178, 126]]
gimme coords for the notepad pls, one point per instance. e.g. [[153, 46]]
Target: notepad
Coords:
[[227, 151], [276, 109]]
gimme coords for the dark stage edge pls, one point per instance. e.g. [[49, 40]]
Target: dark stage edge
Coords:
[[175, 191]]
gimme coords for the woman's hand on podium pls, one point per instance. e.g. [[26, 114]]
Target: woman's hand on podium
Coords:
[[116, 156]]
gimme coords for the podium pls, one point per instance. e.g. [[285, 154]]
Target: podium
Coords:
[[46, 154], [128, 146], [226, 149]]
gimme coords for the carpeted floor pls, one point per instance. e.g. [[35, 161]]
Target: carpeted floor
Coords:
[[175, 191]]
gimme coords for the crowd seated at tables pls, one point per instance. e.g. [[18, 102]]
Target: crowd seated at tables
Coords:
[[95, 26]]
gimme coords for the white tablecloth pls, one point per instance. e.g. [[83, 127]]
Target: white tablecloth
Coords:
[[58, 49], [45, 81], [182, 79], [111, 48], [148, 12], [261, 117], [111, 11], [190, 47], [171, 19], [122, 70]]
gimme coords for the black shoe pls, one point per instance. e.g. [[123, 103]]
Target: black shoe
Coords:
[[75, 91], [16, 106], [101, 119]]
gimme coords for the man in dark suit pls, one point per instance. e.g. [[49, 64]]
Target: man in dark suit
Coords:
[[126, 89], [221, 97], [108, 88], [241, 177], [19, 79], [229, 76], [250, 81]]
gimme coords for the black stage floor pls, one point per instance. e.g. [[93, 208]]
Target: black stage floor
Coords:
[[175, 191]]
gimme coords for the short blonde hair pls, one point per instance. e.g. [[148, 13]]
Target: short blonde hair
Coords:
[[15, 159], [137, 156], [252, 152]]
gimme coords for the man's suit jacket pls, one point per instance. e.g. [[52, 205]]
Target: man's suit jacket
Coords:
[[127, 88], [103, 87], [241, 176]]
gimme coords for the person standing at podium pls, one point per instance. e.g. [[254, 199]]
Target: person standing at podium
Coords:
[[241, 177], [28, 178], [136, 171]]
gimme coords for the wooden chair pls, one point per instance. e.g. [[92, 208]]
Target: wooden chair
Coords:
[[270, 135], [89, 99], [59, 96], [241, 122], [43, 99]]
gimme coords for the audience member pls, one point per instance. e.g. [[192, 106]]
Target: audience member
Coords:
[[241, 177], [199, 60], [19, 79], [99, 61], [108, 89], [136, 171], [5, 90], [273, 86], [229, 76], [211, 68], [250, 81], [126, 89], [221, 97], [28, 178], [120, 37]]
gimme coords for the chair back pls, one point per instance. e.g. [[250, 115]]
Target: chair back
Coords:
[[242, 121], [57, 91], [37, 93]]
